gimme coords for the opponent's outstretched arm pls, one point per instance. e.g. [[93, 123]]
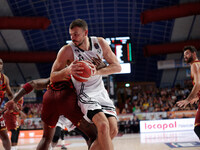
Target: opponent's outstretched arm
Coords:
[[37, 84]]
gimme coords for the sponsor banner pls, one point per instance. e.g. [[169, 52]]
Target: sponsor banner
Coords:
[[182, 114], [151, 115], [32, 123], [165, 64], [125, 117], [142, 116], [171, 64], [167, 125]]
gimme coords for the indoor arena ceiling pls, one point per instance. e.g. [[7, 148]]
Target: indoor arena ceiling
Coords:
[[105, 18]]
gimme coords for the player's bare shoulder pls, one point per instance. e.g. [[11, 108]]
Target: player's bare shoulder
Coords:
[[104, 44], [102, 41], [66, 53], [195, 68], [66, 49], [6, 78]]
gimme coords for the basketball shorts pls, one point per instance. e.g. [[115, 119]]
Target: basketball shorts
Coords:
[[11, 121], [100, 101], [65, 124], [60, 99], [15, 135]]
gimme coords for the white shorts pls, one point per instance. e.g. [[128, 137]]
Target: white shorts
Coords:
[[65, 123], [100, 100]]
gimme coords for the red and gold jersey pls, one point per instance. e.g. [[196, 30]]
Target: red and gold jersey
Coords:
[[11, 117], [60, 85], [11, 120], [2, 87]]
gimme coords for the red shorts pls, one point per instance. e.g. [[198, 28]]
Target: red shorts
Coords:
[[11, 121], [60, 99], [2, 123]]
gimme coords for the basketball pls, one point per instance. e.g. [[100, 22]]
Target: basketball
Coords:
[[86, 72]]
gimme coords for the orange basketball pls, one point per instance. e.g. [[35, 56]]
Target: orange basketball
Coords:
[[87, 71]]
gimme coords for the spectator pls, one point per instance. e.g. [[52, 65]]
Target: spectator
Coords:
[[136, 124], [151, 108], [137, 110], [33, 125], [135, 97], [145, 105]]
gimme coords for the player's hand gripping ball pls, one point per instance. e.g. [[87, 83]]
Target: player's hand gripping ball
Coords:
[[87, 72]]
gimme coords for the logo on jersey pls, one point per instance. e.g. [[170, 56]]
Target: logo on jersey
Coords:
[[96, 45], [2, 124], [77, 50], [80, 57]]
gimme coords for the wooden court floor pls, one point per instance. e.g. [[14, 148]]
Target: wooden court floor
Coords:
[[147, 141]]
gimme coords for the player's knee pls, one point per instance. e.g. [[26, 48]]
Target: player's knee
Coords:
[[113, 132], [103, 127], [197, 131], [47, 140]]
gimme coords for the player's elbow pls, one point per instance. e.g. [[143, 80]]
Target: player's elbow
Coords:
[[33, 83]]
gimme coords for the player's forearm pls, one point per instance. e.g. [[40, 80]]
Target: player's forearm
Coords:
[[110, 69], [61, 75], [19, 95], [27, 88], [39, 84]]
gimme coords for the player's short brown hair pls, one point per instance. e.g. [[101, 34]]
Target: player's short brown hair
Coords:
[[79, 23]]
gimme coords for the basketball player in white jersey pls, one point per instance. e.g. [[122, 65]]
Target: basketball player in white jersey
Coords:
[[92, 95]]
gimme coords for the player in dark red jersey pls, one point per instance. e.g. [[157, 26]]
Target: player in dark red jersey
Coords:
[[4, 88], [13, 121], [3, 134], [190, 57], [59, 99]]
